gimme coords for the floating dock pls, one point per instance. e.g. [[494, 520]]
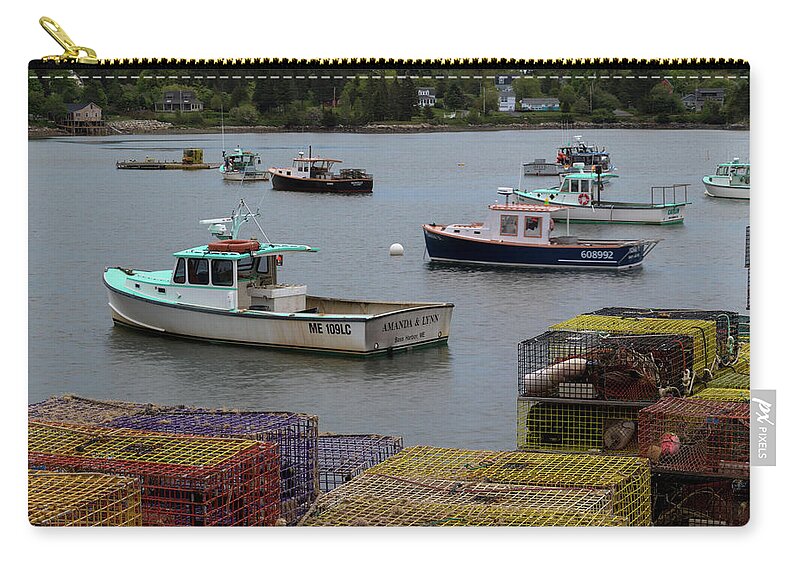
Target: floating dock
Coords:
[[192, 160]]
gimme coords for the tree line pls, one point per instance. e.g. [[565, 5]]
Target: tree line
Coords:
[[310, 100]]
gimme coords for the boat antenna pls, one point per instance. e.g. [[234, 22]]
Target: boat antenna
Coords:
[[239, 219], [222, 119]]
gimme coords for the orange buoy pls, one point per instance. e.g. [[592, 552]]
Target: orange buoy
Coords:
[[234, 245]]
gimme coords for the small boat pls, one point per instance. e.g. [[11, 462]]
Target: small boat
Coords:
[[731, 180], [192, 160], [315, 174], [582, 192], [519, 235], [228, 291], [571, 158], [242, 166]]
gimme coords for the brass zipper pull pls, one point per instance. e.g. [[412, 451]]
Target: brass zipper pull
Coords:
[[72, 53]]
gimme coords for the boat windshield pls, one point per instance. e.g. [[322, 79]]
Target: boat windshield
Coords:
[[722, 170]]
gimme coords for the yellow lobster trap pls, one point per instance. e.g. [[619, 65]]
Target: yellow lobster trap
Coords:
[[552, 424], [627, 478], [83, 499], [723, 395]]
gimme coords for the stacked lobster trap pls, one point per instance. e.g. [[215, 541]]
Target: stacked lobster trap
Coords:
[[699, 501], [83, 499], [343, 457], [295, 434], [431, 486], [184, 480]]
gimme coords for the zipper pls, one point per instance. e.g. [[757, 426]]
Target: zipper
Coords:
[[72, 59]]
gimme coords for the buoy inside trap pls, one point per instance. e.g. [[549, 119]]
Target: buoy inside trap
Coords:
[[396, 249]]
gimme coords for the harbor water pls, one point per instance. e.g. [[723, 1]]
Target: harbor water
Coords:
[[85, 215]]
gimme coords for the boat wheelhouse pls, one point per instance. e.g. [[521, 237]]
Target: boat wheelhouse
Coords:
[[316, 174], [229, 291], [583, 192], [519, 235], [242, 166], [731, 180], [572, 158]]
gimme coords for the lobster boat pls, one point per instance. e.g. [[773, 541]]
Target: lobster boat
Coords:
[[731, 180], [581, 191], [571, 158], [316, 174], [519, 235], [228, 291], [242, 166]]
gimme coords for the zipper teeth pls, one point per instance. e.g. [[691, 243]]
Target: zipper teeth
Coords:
[[453, 63]]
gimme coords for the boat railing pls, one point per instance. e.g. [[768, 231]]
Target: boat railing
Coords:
[[673, 192]]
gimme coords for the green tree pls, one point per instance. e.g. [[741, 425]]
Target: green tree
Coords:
[[661, 100], [54, 107], [526, 87], [264, 95], [36, 98], [712, 113], [454, 97], [580, 106], [245, 114], [240, 95], [567, 97]]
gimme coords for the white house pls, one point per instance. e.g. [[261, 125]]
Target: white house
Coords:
[[506, 99], [539, 104], [426, 96]]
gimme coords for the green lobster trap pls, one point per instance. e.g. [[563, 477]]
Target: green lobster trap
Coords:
[[552, 424]]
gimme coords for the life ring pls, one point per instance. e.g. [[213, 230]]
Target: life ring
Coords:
[[234, 245], [583, 199]]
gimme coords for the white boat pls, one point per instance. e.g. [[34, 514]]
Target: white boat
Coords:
[[731, 180], [228, 291], [242, 166], [582, 192]]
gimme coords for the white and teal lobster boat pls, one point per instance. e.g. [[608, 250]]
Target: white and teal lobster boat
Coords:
[[731, 180], [242, 166], [582, 192], [228, 291]]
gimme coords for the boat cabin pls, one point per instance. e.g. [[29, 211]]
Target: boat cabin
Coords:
[[227, 279], [738, 172], [589, 155], [514, 223], [314, 167], [240, 160]]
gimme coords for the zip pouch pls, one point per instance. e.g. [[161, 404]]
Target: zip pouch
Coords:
[[388, 292]]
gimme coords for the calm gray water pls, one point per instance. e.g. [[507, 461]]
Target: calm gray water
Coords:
[[84, 215]]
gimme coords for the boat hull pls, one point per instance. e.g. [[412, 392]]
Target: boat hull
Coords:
[[361, 335], [246, 176], [581, 255], [341, 186], [609, 212], [725, 191]]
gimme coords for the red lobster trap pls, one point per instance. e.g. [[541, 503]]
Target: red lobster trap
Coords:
[[601, 366], [693, 436], [680, 500], [727, 323]]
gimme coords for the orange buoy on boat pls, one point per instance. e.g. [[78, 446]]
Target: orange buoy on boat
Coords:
[[234, 245]]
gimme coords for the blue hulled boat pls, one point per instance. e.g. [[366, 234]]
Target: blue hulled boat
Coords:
[[518, 235]]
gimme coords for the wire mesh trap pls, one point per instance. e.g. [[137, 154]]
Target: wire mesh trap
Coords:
[[185, 480], [83, 499], [696, 436], [700, 501], [343, 456], [295, 434], [572, 426], [590, 365], [729, 378], [627, 478], [723, 395], [727, 324], [382, 500], [703, 333], [78, 410]]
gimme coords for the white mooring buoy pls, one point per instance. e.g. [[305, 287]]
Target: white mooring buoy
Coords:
[[396, 249]]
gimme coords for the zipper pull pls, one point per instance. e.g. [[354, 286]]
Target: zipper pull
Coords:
[[72, 53]]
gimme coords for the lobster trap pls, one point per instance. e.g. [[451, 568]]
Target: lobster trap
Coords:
[[83, 499], [729, 378], [77, 410], [185, 480], [703, 333], [547, 424], [343, 457], [695, 436], [382, 500], [590, 365], [700, 501], [627, 478], [727, 334], [295, 434], [723, 395]]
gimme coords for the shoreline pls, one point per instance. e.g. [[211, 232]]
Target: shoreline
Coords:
[[48, 132]]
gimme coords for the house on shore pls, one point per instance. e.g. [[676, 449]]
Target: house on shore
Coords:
[[506, 98], [426, 97], [83, 119], [175, 101], [698, 99]]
